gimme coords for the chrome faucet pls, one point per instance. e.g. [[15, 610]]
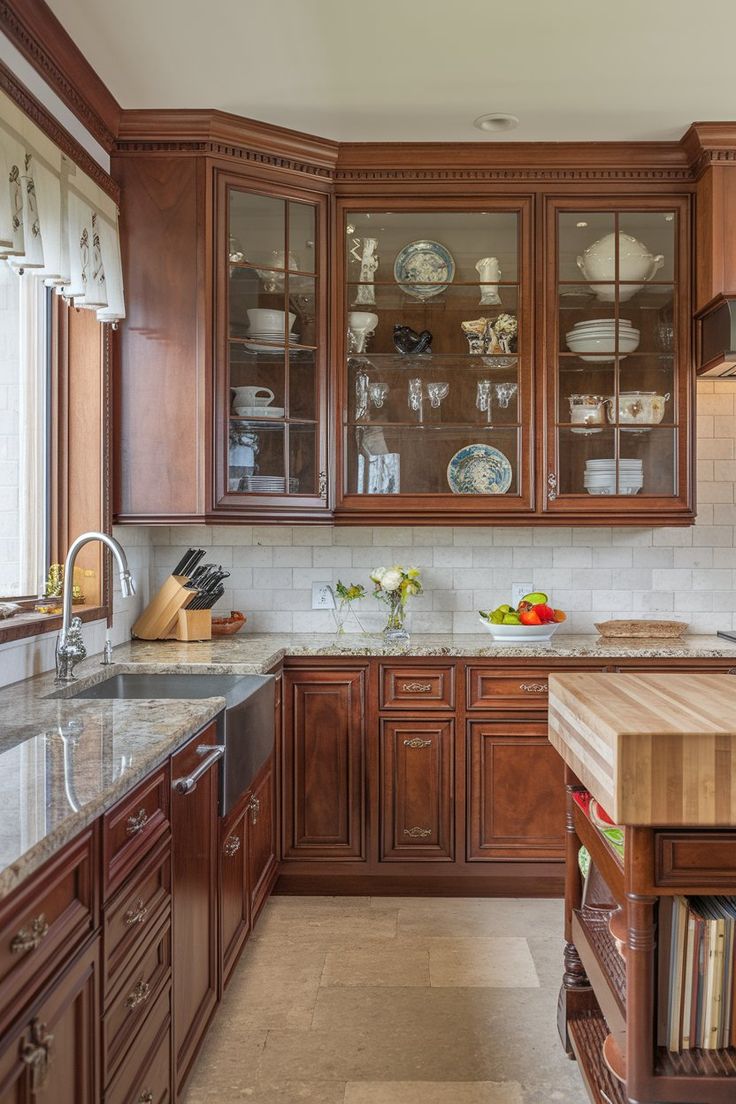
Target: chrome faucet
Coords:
[[70, 648]]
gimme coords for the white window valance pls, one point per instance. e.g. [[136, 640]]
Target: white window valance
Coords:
[[55, 222]]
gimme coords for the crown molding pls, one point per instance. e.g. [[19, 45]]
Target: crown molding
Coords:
[[709, 143], [58, 134], [34, 30]]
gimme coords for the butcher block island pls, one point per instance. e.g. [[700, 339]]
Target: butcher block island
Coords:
[[650, 777]]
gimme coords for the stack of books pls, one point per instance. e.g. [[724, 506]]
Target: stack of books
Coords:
[[697, 973]]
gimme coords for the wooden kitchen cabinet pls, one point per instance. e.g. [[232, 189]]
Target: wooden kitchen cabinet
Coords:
[[417, 790], [261, 836], [235, 910], [516, 795], [195, 838], [323, 765]]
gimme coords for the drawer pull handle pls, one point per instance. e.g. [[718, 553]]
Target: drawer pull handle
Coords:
[[146, 1097], [137, 996], [417, 832], [254, 807], [211, 755], [38, 1053], [31, 937], [534, 687], [415, 742], [231, 845], [137, 914], [417, 687], [137, 822]]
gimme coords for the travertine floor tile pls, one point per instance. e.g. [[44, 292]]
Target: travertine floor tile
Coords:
[[274, 987], [331, 926], [287, 1092], [431, 1092], [503, 962], [482, 918], [225, 1068], [377, 964]]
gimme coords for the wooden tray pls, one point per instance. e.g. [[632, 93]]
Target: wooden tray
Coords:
[[661, 630]]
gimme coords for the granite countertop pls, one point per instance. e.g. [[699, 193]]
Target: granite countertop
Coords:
[[63, 762]]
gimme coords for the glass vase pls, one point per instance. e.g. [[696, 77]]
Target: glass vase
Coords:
[[396, 630], [346, 619]]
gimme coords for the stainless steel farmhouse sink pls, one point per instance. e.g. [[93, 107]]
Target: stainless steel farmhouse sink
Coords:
[[246, 728]]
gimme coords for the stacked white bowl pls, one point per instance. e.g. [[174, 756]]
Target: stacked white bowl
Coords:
[[600, 476], [595, 340], [268, 326]]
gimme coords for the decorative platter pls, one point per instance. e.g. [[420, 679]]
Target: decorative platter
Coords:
[[479, 469], [424, 269]]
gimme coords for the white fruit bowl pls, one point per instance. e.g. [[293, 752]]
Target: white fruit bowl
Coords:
[[520, 634]]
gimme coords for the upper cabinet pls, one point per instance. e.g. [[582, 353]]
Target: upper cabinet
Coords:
[[270, 410], [433, 342]]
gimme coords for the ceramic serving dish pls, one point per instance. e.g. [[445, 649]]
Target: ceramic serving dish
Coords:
[[228, 626], [424, 269], [636, 266], [479, 469], [639, 407], [518, 634]]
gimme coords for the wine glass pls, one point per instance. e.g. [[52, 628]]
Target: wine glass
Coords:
[[437, 392]]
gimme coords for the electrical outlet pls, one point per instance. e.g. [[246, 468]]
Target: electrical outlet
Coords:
[[518, 590], [323, 596]]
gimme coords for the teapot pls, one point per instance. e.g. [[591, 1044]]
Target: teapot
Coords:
[[636, 266]]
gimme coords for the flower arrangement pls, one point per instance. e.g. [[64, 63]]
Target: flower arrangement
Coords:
[[347, 595], [394, 586]]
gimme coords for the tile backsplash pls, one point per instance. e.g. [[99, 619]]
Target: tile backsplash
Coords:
[[686, 573]]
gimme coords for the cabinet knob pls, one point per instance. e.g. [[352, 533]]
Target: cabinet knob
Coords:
[[137, 914], [231, 845], [417, 832], [146, 1097], [139, 995], [37, 1053], [415, 742], [27, 939], [417, 687], [137, 822], [534, 687]]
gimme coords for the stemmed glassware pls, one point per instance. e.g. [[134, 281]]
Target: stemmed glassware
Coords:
[[484, 398], [505, 393], [437, 392], [416, 396]]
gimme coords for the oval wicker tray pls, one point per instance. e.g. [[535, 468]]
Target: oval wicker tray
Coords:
[[661, 630]]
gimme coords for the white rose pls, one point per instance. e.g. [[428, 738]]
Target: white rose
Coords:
[[391, 580], [376, 576]]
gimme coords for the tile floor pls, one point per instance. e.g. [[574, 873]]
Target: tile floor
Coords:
[[358, 1000]]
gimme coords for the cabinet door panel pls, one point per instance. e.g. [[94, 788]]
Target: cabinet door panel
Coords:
[[417, 790], [261, 840], [234, 890], [516, 792], [323, 765]]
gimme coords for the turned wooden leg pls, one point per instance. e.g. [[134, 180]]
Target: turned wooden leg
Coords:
[[575, 983]]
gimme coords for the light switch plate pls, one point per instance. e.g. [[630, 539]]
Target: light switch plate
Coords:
[[518, 590], [323, 596]]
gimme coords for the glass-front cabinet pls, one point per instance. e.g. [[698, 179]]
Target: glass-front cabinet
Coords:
[[618, 369], [271, 393], [434, 343]]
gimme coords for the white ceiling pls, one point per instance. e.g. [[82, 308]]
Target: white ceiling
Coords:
[[372, 70]]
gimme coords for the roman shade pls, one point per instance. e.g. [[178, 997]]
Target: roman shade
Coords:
[[56, 223]]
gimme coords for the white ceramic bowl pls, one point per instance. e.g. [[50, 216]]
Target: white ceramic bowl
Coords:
[[264, 321], [604, 345], [520, 634]]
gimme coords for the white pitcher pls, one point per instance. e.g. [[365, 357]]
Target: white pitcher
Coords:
[[489, 273]]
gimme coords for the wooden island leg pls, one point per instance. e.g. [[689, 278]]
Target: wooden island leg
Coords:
[[576, 993]]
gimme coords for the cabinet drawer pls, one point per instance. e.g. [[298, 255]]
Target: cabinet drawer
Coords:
[[131, 827], [416, 687], [53, 914], [134, 998], [135, 910], [506, 689], [702, 860], [145, 1075]]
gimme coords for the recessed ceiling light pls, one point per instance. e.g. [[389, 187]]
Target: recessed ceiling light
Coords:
[[581, 225], [496, 122]]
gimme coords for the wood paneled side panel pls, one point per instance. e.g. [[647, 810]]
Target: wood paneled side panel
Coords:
[[417, 790], [324, 764], [715, 262], [517, 793], [160, 385], [701, 858]]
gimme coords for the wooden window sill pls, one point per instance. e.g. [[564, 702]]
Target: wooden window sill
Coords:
[[34, 624]]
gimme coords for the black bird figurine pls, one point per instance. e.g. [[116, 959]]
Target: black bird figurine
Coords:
[[407, 340]]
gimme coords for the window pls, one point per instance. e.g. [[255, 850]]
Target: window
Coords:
[[25, 433]]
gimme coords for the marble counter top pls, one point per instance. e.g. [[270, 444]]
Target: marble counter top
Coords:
[[64, 762]]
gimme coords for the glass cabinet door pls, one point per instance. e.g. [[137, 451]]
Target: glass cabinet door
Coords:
[[618, 352], [271, 390], [435, 391]]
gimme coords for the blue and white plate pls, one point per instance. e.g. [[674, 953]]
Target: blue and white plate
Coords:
[[479, 469], [424, 269]]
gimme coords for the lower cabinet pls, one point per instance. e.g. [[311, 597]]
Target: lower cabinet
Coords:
[[417, 790], [235, 896], [50, 1055], [516, 804], [195, 839], [261, 836], [323, 764]]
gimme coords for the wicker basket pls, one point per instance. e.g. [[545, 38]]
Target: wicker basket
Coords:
[[662, 630]]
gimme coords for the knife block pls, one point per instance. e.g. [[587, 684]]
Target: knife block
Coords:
[[161, 616], [193, 625]]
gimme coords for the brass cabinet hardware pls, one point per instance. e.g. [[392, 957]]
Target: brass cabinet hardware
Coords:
[[534, 687], [137, 822], [254, 808], [27, 939], [138, 995], [231, 845], [146, 1097], [137, 914], [211, 755], [37, 1053], [417, 687], [322, 484], [417, 832], [415, 742], [551, 487]]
